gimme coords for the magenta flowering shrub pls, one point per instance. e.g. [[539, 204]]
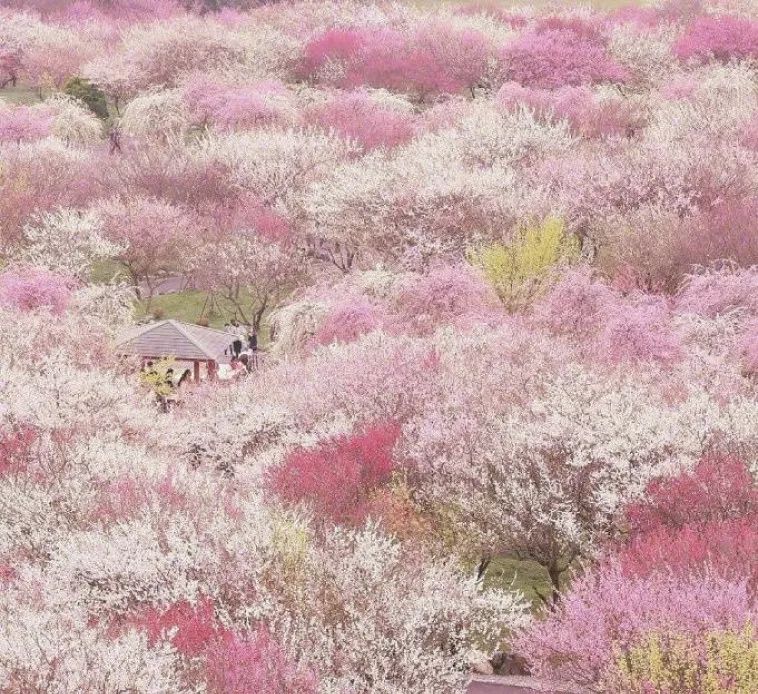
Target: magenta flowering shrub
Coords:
[[446, 294], [14, 450], [229, 107], [721, 38], [358, 117], [575, 305], [433, 59], [29, 289], [559, 55], [638, 331], [191, 627], [704, 519], [232, 663], [720, 488], [347, 320], [25, 123]]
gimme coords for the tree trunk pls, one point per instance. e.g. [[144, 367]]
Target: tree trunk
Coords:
[[555, 580], [482, 567]]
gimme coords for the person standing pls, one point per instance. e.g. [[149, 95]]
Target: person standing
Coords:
[[236, 331]]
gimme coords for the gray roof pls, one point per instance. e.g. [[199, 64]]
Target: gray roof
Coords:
[[170, 338]]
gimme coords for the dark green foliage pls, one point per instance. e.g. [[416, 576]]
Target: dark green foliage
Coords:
[[89, 94]]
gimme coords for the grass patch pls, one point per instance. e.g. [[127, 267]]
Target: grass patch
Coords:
[[529, 577], [103, 271], [186, 306]]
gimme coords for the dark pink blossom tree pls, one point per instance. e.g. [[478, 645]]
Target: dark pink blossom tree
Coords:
[[337, 478], [358, 117], [559, 57], [237, 664], [721, 38]]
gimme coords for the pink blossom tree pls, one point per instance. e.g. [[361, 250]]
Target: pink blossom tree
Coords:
[[558, 57], [606, 612], [359, 117], [238, 664], [228, 107], [348, 319], [29, 289], [25, 123], [721, 38], [587, 115], [156, 237]]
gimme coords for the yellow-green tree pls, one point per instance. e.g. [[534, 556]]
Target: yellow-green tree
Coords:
[[157, 378], [719, 662], [520, 270]]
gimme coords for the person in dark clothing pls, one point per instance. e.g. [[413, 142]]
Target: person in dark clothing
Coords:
[[252, 341]]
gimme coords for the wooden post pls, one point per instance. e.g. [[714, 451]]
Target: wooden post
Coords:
[[196, 371], [211, 370]]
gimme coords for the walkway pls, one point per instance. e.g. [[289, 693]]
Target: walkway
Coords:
[[484, 684]]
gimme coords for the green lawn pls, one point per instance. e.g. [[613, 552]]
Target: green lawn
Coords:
[[513, 574]]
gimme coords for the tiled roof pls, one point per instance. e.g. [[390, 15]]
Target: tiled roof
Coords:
[[170, 338]]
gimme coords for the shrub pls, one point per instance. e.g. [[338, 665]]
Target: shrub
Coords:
[[443, 295], [639, 331], [14, 449], [25, 123], [575, 305], [712, 292], [358, 117], [586, 114], [720, 488], [726, 547], [348, 320], [191, 627], [30, 289]]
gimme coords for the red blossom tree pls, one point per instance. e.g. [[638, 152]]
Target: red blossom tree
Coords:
[[337, 477], [706, 518], [255, 663]]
